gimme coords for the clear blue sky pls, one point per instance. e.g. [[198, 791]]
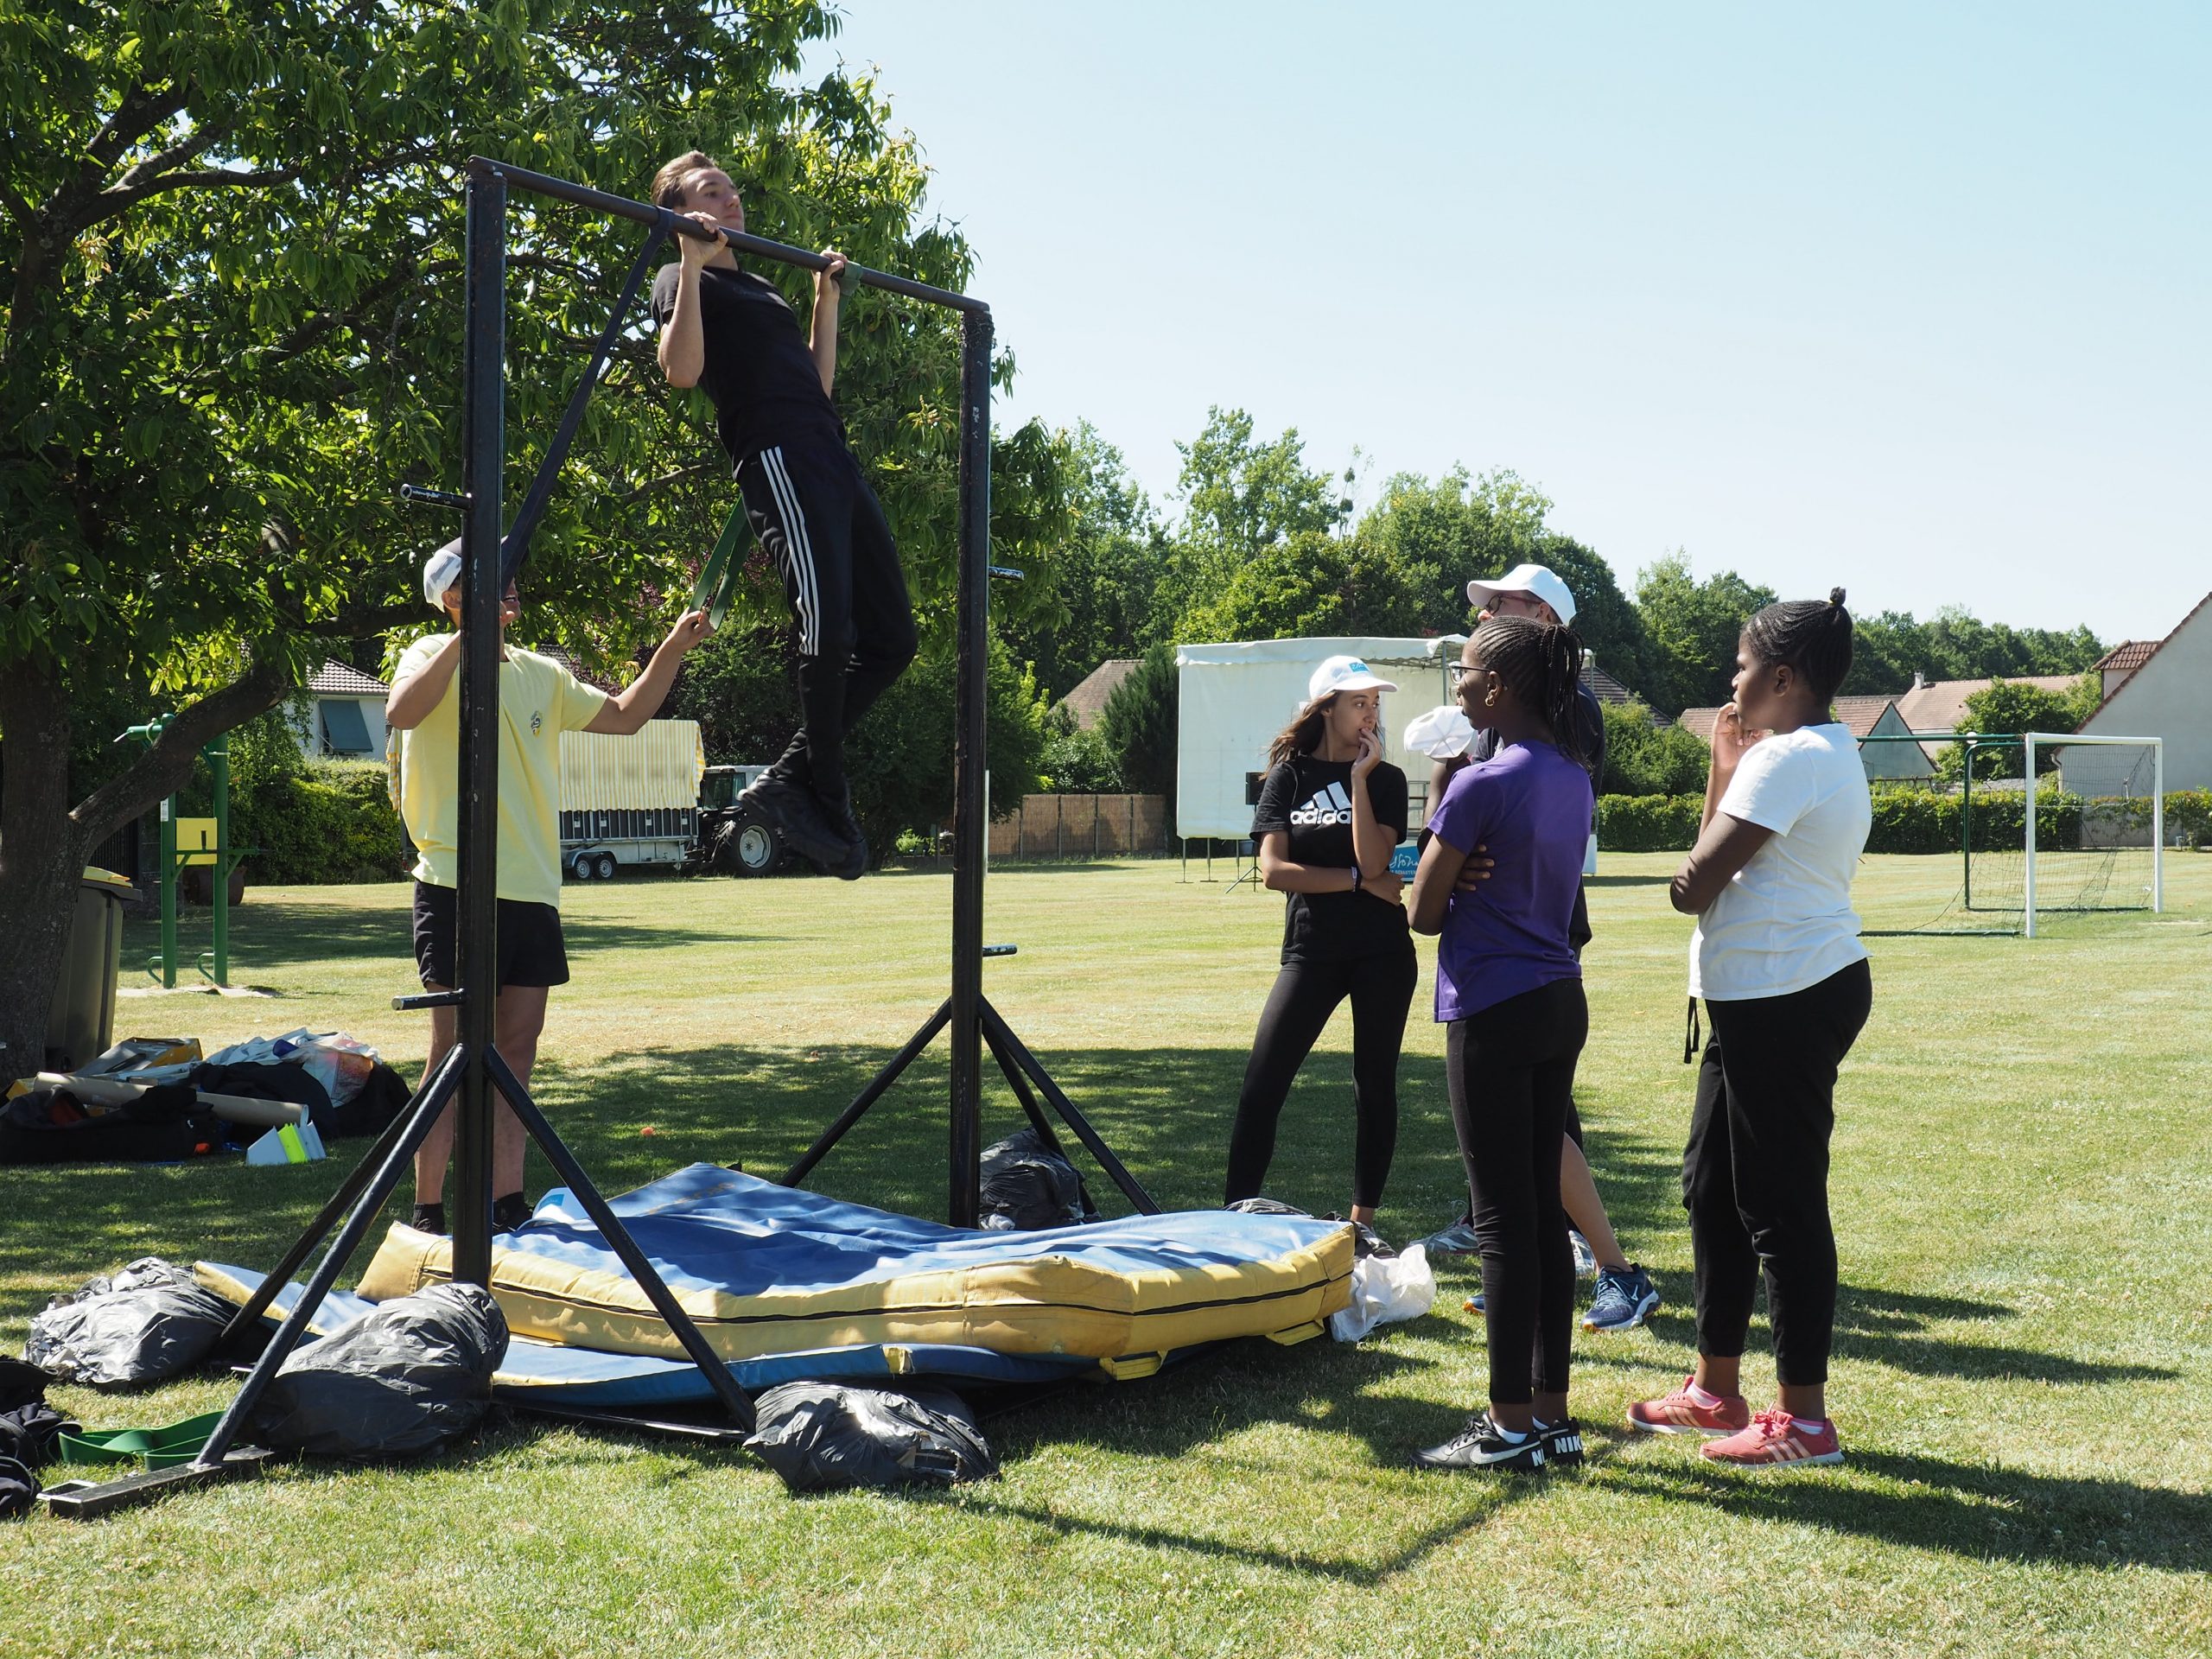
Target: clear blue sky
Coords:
[[1914, 298]]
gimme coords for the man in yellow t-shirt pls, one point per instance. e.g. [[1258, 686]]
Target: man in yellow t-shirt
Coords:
[[539, 700]]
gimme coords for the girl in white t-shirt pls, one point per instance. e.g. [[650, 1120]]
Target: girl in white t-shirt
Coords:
[[1777, 958]]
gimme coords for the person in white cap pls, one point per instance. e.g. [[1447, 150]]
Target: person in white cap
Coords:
[[539, 699], [1625, 1296], [1330, 813]]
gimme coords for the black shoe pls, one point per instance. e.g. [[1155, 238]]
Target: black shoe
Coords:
[[796, 813], [509, 1212], [1480, 1445], [1562, 1444], [428, 1219], [840, 817]]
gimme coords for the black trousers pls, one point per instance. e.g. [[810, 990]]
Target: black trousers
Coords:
[[1755, 1174], [823, 525], [1510, 1069], [1305, 995]]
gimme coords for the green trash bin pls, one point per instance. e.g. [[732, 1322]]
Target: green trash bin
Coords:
[[81, 1024]]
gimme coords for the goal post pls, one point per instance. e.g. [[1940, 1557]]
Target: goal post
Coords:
[[2108, 794], [2040, 824]]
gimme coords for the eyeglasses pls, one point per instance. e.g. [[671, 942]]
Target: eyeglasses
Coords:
[[1455, 674]]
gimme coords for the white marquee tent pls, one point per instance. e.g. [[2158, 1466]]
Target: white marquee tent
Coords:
[[1232, 699]]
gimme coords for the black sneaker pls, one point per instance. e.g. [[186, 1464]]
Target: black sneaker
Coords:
[[1481, 1445], [509, 1212], [428, 1219], [840, 818], [1562, 1444], [798, 814]]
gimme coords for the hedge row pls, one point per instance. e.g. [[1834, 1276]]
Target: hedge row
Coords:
[[333, 822], [1917, 820]]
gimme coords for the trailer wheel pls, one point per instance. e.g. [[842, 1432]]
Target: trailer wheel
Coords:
[[581, 867], [603, 866]]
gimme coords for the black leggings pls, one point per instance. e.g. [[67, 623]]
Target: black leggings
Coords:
[[1755, 1174], [821, 523], [1306, 994], [1510, 1069]]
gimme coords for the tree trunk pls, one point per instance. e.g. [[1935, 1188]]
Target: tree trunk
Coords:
[[41, 857], [44, 844]]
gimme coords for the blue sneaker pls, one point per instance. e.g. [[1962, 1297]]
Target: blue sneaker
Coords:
[[1624, 1300]]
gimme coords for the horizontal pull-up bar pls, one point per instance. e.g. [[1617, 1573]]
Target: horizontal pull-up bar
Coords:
[[583, 195]]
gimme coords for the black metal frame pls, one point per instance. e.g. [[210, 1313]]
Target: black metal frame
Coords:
[[473, 1068]]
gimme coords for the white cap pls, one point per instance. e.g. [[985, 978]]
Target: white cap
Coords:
[[1527, 579], [440, 571], [1344, 674], [1440, 734]]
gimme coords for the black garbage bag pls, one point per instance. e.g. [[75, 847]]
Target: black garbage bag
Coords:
[[277, 1080], [1266, 1207], [19, 1489], [150, 1321], [821, 1436], [407, 1376], [1028, 1185]]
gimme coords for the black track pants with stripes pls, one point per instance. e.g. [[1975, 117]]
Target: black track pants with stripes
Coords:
[[822, 525]]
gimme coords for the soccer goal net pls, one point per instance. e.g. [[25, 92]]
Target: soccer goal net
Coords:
[[2040, 825]]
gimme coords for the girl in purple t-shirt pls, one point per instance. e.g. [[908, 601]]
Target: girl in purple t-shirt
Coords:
[[1509, 989]]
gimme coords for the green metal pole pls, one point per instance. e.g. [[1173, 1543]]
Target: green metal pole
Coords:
[[218, 756]]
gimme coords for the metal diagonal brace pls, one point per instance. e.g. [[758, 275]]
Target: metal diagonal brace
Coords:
[[515, 546]]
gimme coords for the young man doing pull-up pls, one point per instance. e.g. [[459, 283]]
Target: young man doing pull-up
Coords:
[[732, 333]]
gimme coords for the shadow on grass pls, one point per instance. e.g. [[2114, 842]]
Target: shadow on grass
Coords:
[[1978, 1512], [277, 933]]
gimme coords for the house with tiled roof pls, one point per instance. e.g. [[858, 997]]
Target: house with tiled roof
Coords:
[[343, 718], [1940, 705], [1863, 717], [2166, 695], [2122, 660]]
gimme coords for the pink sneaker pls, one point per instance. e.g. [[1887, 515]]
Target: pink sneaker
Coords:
[[1680, 1414], [1777, 1438]]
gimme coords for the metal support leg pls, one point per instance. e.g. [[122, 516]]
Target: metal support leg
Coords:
[[1074, 1120], [680, 1324], [867, 1097]]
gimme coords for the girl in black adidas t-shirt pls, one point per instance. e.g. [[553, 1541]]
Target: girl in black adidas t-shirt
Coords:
[[1330, 813]]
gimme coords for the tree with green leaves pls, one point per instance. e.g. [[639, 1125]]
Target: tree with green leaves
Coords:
[[231, 253], [1240, 497], [1692, 627], [1096, 600], [2011, 707], [1139, 726]]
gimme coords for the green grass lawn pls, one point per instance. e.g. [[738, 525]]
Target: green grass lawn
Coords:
[[2022, 1378]]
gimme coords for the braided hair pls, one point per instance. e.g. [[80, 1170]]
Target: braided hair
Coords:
[[1812, 638], [1541, 665]]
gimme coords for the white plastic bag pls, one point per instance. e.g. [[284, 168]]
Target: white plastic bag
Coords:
[[1384, 1289]]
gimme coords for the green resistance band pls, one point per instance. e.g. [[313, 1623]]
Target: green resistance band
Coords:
[[161, 1448], [718, 576]]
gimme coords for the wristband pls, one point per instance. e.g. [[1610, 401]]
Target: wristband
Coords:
[[1355, 878]]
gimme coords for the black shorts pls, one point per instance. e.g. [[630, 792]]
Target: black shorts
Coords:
[[529, 948]]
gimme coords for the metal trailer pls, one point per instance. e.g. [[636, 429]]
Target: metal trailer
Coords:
[[630, 800]]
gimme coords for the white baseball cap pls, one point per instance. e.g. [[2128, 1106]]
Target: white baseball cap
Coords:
[[1344, 674], [440, 571], [1527, 579]]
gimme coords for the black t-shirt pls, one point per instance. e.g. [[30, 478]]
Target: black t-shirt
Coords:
[[1309, 800], [758, 371], [1589, 729]]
